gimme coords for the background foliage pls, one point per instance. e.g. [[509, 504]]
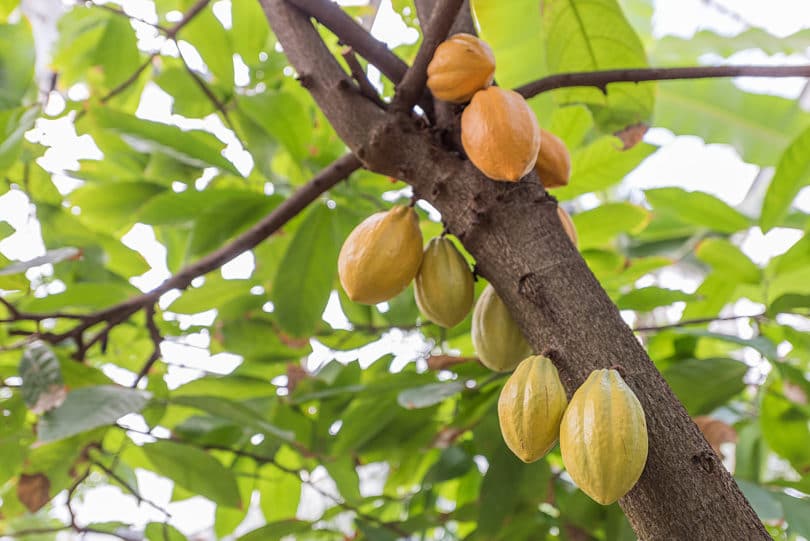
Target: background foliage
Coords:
[[407, 435]]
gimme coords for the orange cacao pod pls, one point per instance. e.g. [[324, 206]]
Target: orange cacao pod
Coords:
[[568, 225], [461, 66], [553, 161], [500, 134]]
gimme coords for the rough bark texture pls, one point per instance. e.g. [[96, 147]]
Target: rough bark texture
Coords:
[[685, 493]]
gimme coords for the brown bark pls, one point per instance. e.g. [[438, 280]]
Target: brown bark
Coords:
[[513, 232]]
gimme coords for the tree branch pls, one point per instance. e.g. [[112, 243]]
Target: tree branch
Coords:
[[698, 321], [413, 83], [600, 79]]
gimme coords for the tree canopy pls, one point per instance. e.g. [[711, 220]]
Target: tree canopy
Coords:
[[386, 420]]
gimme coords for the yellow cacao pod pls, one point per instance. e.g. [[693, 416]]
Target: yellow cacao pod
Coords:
[[495, 335], [553, 161], [568, 225], [443, 287], [530, 407], [500, 134], [381, 256], [603, 437], [461, 66]]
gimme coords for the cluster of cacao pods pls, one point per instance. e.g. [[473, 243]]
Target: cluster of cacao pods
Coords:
[[499, 131], [602, 431], [383, 254]]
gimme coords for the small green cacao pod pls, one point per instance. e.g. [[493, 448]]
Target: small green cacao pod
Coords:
[[443, 287], [530, 408], [495, 335], [603, 437]]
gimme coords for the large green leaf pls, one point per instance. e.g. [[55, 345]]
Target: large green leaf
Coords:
[[194, 470], [194, 147], [647, 298], [17, 59], [599, 226], [704, 384], [792, 174], [90, 407], [784, 421], [283, 117], [207, 35], [759, 127], [671, 50], [698, 208], [307, 271], [727, 259], [280, 493], [588, 35], [600, 165], [233, 411], [111, 206]]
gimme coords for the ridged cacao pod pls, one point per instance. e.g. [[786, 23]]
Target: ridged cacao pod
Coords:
[[500, 134], [568, 225], [381, 256], [553, 161], [603, 437], [495, 335], [461, 66], [443, 287], [530, 407]]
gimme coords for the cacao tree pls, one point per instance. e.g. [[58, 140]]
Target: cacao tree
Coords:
[[178, 177]]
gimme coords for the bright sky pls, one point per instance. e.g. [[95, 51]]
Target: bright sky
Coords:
[[682, 161]]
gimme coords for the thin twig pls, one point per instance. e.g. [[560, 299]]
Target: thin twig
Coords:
[[123, 13], [600, 79], [130, 489], [129, 80], [203, 86], [413, 83], [366, 88], [698, 321], [154, 334], [187, 18]]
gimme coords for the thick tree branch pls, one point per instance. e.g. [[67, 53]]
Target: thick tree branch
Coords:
[[600, 79], [413, 83]]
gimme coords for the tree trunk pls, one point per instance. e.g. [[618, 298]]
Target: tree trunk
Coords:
[[512, 230]]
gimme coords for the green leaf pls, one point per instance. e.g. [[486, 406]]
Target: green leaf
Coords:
[[215, 292], [600, 165], [275, 531], [765, 503], [207, 35], [189, 99], [760, 343], [599, 226], [249, 32], [704, 384], [785, 425], [453, 462], [674, 50], [233, 411], [498, 494], [798, 520], [195, 470], [428, 395], [94, 38], [90, 407], [112, 206], [647, 298], [162, 531], [758, 126], [792, 174], [283, 117], [589, 35], [50, 257], [6, 7], [220, 222], [280, 493], [307, 271], [727, 259], [6, 229], [788, 303], [698, 208], [17, 60], [13, 125], [43, 388], [83, 295], [194, 147]]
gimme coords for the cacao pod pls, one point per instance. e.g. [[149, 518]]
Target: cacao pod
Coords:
[[495, 335], [443, 287], [603, 437], [461, 66], [568, 225], [500, 134], [381, 256], [530, 407], [553, 161]]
